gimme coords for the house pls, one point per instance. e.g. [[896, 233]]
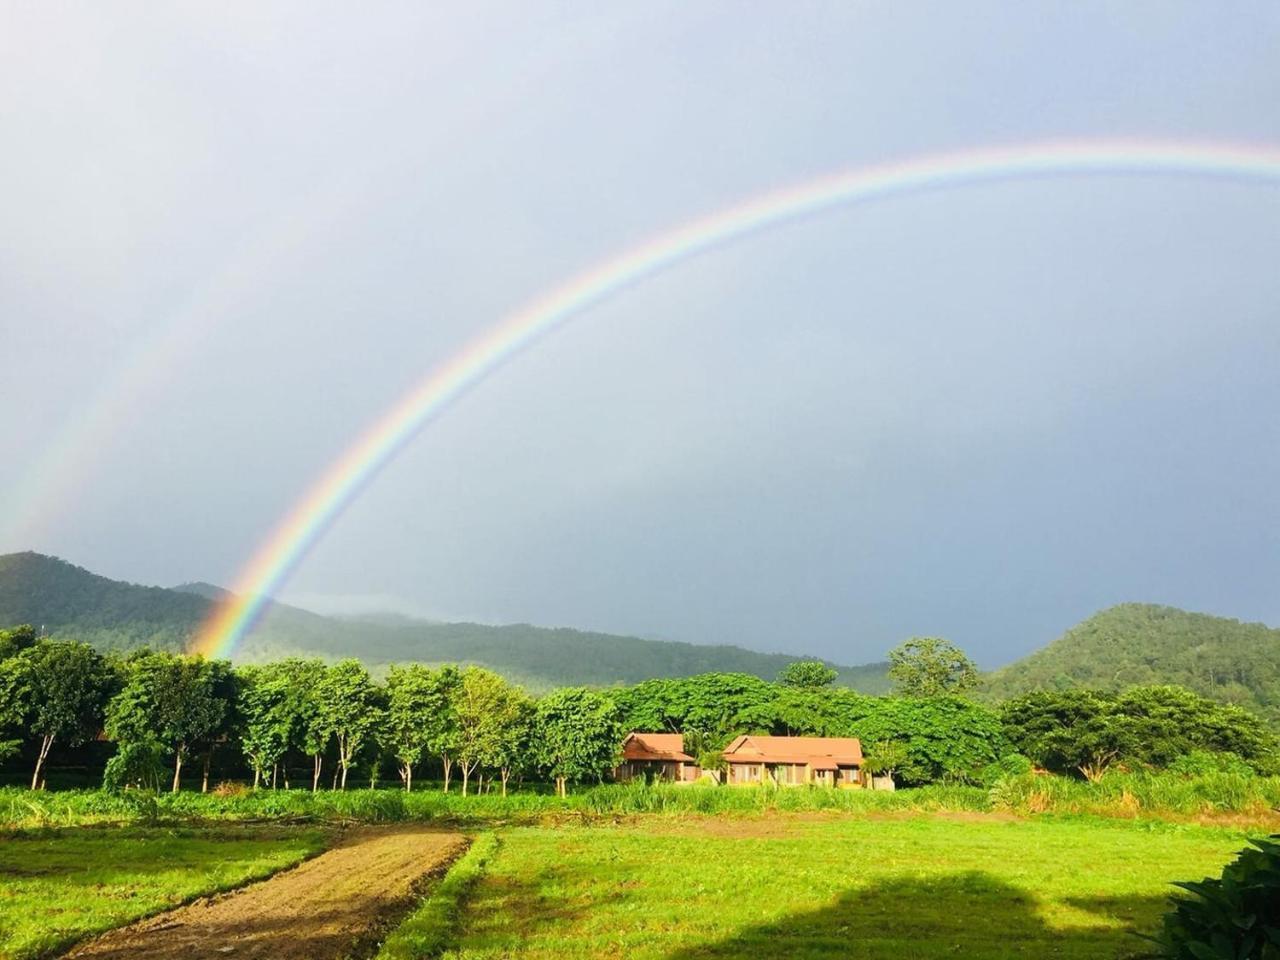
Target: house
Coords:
[[656, 756], [794, 761]]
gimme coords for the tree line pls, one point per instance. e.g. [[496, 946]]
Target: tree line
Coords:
[[166, 712]]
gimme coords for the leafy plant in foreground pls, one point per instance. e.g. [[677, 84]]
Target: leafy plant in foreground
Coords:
[[1236, 917]]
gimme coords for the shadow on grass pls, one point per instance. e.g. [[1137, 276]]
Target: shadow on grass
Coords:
[[971, 915]]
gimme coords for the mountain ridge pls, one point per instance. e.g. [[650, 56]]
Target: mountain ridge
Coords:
[[73, 602], [1142, 643]]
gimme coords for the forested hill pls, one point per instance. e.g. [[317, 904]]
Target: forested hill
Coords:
[[69, 601], [1137, 643]]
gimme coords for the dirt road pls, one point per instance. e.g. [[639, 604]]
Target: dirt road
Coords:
[[320, 910]]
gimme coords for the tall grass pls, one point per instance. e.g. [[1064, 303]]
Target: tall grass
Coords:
[[1140, 793], [1117, 794]]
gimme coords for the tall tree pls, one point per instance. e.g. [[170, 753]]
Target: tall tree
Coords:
[[170, 702], [349, 709], [69, 686], [477, 700], [808, 675], [578, 735], [440, 720], [265, 701], [15, 701], [412, 698], [931, 667]]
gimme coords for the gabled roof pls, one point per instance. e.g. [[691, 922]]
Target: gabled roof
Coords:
[[821, 752], [655, 746]]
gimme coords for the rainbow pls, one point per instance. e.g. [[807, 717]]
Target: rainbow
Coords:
[[280, 554]]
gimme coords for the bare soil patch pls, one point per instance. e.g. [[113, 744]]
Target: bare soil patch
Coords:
[[324, 909]]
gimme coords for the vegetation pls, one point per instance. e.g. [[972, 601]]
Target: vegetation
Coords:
[[431, 929], [60, 886], [75, 604], [922, 887], [930, 667], [1089, 730], [1236, 917], [1138, 644]]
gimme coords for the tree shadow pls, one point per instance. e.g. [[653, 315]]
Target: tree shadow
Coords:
[[971, 915]]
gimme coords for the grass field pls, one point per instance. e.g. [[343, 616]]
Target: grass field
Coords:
[[922, 886], [58, 886]]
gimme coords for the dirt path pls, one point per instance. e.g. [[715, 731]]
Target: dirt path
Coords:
[[319, 910]]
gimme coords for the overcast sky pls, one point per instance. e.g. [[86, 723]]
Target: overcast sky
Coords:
[[232, 234]]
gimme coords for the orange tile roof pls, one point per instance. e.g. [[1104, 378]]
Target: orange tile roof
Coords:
[[819, 752], [655, 746]]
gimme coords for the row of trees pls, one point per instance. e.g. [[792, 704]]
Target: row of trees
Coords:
[[165, 712]]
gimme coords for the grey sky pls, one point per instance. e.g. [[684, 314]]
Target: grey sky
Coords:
[[231, 235]]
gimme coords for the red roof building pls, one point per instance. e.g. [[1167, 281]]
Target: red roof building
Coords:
[[656, 756], [795, 761]]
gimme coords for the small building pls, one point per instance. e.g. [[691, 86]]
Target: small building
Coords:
[[656, 756], [795, 761]]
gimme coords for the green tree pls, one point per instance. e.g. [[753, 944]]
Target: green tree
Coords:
[[578, 735], [411, 699], [15, 701], [69, 685], [807, 675], [268, 704], [168, 703], [1070, 730], [349, 709], [488, 711], [885, 757], [931, 667], [440, 719], [16, 639]]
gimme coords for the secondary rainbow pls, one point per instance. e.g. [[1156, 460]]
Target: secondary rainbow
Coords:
[[279, 555]]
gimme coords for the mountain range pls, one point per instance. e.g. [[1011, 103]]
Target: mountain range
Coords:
[[69, 601], [1121, 646]]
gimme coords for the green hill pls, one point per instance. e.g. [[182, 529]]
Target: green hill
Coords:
[[1137, 643], [69, 601]]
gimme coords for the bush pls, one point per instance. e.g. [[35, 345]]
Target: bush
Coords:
[[1234, 918], [1010, 765], [1199, 763]]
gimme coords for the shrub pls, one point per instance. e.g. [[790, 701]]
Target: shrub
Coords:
[[1010, 765], [1198, 763], [1236, 917]]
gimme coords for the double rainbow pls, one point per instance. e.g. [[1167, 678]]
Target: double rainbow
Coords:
[[279, 555]]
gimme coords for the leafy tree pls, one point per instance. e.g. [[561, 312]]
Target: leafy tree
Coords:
[[15, 701], [1089, 730], [946, 738], [931, 667], [1073, 730], [411, 699], [440, 720], [269, 702], [168, 704], [808, 675], [488, 711], [348, 709], [578, 735], [509, 746], [884, 758], [16, 639], [69, 685]]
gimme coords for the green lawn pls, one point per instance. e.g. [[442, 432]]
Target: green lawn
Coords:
[[904, 887], [58, 886]]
